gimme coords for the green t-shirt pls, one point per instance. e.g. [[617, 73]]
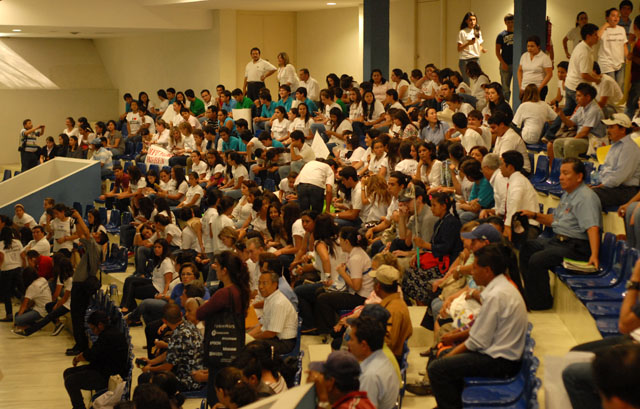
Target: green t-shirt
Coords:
[[342, 105], [197, 107], [246, 103]]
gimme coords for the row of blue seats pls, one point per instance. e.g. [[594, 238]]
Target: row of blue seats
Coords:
[[602, 293], [519, 391], [8, 174]]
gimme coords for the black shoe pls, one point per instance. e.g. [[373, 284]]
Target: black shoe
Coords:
[[72, 352], [419, 388], [6, 319]]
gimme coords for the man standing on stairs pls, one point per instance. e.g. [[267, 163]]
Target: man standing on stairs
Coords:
[[85, 284], [28, 147]]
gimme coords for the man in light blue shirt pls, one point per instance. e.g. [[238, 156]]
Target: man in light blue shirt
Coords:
[[497, 338], [102, 155], [576, 222], [590, 131], [620, 173], [379, 378]]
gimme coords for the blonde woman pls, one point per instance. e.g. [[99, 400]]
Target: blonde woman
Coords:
[[376, 198], [287, 72]]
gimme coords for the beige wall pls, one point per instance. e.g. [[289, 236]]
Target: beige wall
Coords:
[[182, 60], [83, 89], [328, 41], [402, 35]]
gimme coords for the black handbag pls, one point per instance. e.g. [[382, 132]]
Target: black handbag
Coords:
[[224, 336]]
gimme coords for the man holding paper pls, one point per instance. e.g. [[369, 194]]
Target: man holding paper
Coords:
[[576, 223]]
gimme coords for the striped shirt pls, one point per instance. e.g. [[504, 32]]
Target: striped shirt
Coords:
[[30, 145]]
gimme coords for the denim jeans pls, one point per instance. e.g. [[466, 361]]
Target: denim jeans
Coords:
[[150, 309], [618, 75], [52, 316], [447, 374], [26, 318], [310, 197], [321, 129], [506, 77]]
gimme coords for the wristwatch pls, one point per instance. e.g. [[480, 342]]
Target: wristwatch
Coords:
[[633, 285], [324, 405]]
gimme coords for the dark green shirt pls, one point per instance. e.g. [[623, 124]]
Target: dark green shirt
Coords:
[[197, 107]]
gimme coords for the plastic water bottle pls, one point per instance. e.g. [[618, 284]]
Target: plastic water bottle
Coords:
[[595, 177]]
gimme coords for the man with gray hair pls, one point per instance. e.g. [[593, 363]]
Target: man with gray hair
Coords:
[[491, 171]]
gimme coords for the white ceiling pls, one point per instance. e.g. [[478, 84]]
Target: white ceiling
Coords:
[[99, 18]]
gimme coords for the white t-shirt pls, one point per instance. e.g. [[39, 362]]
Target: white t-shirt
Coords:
[[135, 121], [355, 110], [191, 192], [345, 125], [376, 164], [190, 240], [533, 70], [611, 53], [531, 117], [316, 173], [280, 129], [253, 71], [581, 62], [470, 139], [478, 92], [242, 211], [358, 266], [12, 258], [434, 178], [299, 124], [220, 223], [40, 293], [239, 172], [473, 50], [306, 152], [152, 124], [512, 141], [25, 220], [42, 247], [407, 166], [312, 88], [297, 229], [403, 83], [200, 168], [608, 87], [62, 229], [157, 276], [575, 37]]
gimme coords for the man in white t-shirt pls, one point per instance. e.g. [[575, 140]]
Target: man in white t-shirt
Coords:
[[608, 92], [301, 153], [507, 139], [580, 70], [306, 81], [315, 183], [255, 73], [467, 136], [348, 212], [39, 243]]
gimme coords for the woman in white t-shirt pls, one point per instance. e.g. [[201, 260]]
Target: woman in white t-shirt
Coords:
[[63, 230], [478, 80], [371, 113], [194, 192], [70, 128], [353, 154], [408, 165], [215, 170], [336, 133], [238, 174], [280, 124], [379, 164], [302, 121], [535, 68], [469, 43], [61, 299], [10, 268], [355, 106], [174, 189], [574, 34], [376, 199], [164, 103], [294, 233], [400, 81], [22, 219], [355, 273], [219, 223], [532, 114], [380, 85], [198, 165], [429, 168], [36, 297], [142, 288], [286, 72], [613, 47], [242, 211], [192, 238]]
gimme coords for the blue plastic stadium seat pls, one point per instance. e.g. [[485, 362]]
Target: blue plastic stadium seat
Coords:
[[553, 181], [542, 170], [610, 276], [103, 215], [536, 147], [604, 308], [614, 293], [7, 175], [142, 167], [615, 266], [608, 326], [155, 167]]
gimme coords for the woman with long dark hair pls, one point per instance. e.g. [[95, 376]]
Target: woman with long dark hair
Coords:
[[432, 129], [469, 43], [380, 85], [497, 101], [142, 288], [232, 297], [400, 81]]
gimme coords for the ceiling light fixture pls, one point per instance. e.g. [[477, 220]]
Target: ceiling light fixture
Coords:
[[331, 4], [16, 30]]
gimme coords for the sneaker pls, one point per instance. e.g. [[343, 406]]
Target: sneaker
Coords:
[[58, 328], [72, 352], [19, 332], [6, 319], [419, 388]]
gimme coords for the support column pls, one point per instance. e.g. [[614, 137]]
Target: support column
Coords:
[[529, 19], [376, 37]]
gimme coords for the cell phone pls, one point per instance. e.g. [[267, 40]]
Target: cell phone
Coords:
[[141, 362]]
